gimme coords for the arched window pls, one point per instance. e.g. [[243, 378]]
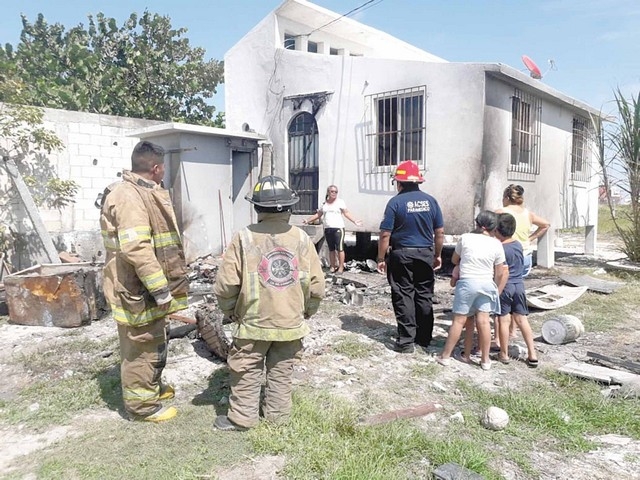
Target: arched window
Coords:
[[303, 161]]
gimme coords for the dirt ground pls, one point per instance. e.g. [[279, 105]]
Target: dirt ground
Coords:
[[190, 365]]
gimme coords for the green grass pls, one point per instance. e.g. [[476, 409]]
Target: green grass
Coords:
[[600, 312], [186, 448], [351, 347], [559, 412], [323, 440], [606, 225]]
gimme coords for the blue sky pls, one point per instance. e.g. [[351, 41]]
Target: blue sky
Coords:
[[595, 44]]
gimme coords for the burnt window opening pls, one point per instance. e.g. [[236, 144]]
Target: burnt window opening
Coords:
[[303, 162], [580, 159], [289, 41], [525, 133], [312, 47], [400, 127], [333, 51]]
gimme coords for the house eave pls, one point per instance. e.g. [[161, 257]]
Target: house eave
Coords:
[[519, 79], [175, 127]]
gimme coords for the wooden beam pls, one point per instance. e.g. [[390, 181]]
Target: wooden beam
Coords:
[[632, 366], [412, 412], [32, 210]]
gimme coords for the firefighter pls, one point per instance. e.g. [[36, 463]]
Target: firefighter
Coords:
[[269, 282], [413, 227], [144, 279]]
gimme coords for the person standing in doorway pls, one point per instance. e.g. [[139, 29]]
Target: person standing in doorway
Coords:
[[414, 228], [331, 213], [144, 279], [269, 282]]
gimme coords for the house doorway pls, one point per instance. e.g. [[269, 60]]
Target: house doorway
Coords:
[[303, 162]]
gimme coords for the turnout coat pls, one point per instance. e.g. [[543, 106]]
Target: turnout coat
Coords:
[[145, 263]]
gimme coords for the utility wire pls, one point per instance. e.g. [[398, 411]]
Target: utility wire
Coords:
[[343, 16]]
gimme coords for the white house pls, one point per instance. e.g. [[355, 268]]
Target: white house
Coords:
[[343, 103]]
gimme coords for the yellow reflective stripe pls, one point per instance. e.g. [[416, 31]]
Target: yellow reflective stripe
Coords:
[[155, 281], [252, 332], [166, 239], [110, 241], [133, 234], [140, 394], [126, 317]]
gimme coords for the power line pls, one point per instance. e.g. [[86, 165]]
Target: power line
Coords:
[[344, 15]]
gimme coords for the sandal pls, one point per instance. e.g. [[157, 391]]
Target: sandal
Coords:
[[333, 270], [532, 363], [504, 361]]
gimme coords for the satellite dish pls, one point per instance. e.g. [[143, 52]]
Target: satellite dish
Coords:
[[534, 71]]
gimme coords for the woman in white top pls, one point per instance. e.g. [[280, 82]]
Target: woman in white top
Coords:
[[331, 213]]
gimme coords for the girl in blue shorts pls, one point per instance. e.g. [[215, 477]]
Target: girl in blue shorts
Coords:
[[481, 259]]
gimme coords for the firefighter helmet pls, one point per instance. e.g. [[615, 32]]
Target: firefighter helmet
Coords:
[[273, 192], [408, 171]]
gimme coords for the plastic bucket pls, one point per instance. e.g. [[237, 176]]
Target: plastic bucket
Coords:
[[562, 329]]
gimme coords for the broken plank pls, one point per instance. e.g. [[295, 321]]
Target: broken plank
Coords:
[[632, 366], [412, 412], [593, 284], [599, 374]]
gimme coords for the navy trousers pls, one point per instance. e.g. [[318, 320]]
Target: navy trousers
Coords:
[[411, 277]]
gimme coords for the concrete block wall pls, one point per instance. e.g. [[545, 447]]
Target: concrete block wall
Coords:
[[96, 150]]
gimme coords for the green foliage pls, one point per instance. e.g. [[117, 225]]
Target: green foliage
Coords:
[[143, 69], [622, 140], [28, 142]]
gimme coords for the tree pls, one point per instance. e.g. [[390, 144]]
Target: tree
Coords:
[[143, 69], [619, 157], [26, 144]]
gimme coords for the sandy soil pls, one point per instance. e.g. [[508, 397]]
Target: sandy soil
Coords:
[[190, 366]]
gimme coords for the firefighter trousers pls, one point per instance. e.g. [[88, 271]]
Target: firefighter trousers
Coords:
[[247, 362], [143, 352]]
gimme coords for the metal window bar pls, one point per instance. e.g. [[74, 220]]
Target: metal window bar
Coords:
[[526, 111], [580, 158], [303, 158], [400, 126]]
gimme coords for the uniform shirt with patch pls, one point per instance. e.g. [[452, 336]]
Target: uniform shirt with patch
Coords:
[[411, 217]]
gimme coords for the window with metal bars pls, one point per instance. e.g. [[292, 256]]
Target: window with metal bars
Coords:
[[580, 159], [525, 133], [400, 129]]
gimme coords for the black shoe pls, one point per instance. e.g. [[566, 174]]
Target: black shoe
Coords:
[[408, 348], [226, 425]]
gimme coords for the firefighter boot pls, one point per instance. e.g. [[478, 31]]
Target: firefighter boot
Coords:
[[165, 413], [167, 392]]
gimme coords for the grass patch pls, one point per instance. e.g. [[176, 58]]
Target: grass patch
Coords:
[[55, 402], [186, 448], [599, 312], [606, 225], [322, 440], [559, 413], [351, 347], [425, 370]]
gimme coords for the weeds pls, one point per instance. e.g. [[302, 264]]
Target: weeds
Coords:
[[351, 347]]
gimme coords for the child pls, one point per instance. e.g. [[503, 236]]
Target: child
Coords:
[[481, 259], [513, 300]]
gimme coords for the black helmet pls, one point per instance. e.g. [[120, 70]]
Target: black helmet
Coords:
[[273, 192]]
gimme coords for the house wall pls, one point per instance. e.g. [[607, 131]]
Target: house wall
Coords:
[[96, 149], [199, 176], [552, 194], [454, 120]]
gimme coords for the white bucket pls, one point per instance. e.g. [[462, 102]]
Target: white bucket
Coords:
[[562, 329]]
